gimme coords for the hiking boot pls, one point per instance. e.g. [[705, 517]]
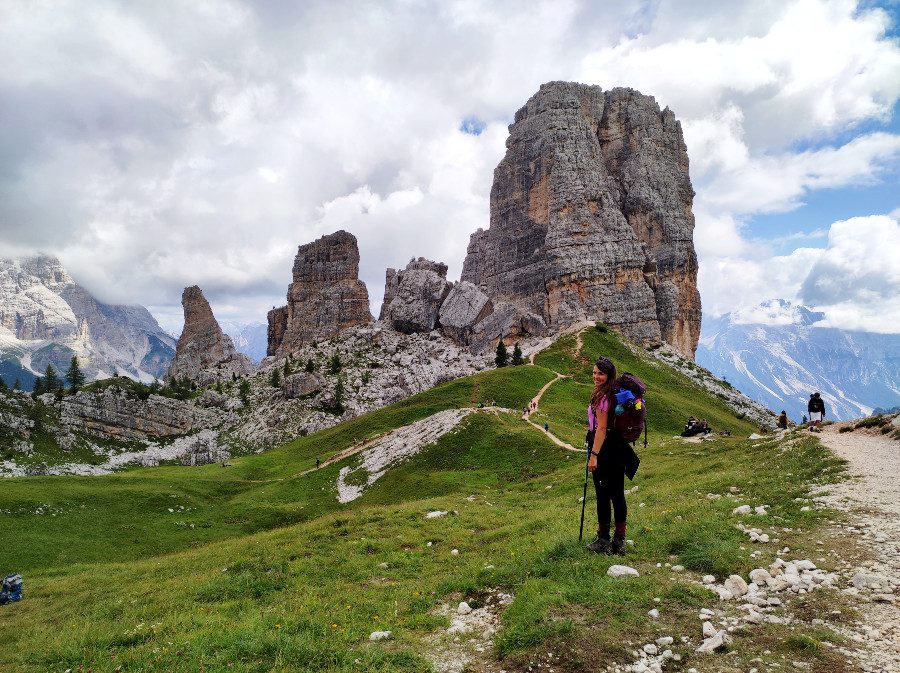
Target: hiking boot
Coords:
[[617, 547], [600, 545]]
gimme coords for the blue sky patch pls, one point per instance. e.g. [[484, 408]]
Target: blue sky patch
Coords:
[[472, 125]]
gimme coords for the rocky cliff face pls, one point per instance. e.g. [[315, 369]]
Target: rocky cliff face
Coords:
[[591, 218], [45, 317], [115, 413], [325, 297], [204, 353]]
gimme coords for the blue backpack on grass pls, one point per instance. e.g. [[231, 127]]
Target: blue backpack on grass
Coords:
[[11, 589]]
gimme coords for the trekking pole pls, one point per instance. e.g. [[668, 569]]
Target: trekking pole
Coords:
[[584, 497]]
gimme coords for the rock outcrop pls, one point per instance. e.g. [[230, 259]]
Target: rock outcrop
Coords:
[[204, 353], [301, 385], [325, 297], [413, 296], [115, 413], [591, 218]]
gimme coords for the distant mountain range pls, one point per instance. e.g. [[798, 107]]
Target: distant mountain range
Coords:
[[251, 339], [778, 355], [46, 317]]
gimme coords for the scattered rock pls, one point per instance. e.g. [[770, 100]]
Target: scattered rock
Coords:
[[718, 641], [622, 571]]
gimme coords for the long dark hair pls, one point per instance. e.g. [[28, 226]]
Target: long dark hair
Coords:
[[608, 389]]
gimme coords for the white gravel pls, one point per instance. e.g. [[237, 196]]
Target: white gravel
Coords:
[[873, 498]]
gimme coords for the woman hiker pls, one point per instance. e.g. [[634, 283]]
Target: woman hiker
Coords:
[[607, 461]]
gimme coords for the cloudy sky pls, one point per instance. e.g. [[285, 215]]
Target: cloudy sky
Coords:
[[157, 144]]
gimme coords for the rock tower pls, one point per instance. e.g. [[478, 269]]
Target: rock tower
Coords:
[[204, 353], [591, 218], [325, 297]]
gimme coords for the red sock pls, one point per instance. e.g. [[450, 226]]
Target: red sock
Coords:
[[620, 529]]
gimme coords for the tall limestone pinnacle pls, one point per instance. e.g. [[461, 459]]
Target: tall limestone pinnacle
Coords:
[[591, 217], [325, 297], [204, 353]]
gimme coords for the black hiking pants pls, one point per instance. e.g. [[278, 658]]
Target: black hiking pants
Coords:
[[609, 480]]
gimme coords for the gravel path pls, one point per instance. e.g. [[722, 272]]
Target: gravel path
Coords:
[[873, 499]]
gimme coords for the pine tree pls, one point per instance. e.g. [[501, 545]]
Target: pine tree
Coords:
[[287, 367], [502, 355], [244, 391], [51, 379], [17, 385], [517, 356], [275, 378], [38, 386], [334, 364], [3, 385], [338, 403], [310, 366], [74, 375]]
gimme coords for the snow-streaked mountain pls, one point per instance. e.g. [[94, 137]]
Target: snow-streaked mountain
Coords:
[[46, 317], [777, 355], [251, 339]]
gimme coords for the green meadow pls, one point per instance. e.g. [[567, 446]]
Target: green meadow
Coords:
[[258, 567]]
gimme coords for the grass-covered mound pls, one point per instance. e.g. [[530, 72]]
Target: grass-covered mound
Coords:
[[275, 574]]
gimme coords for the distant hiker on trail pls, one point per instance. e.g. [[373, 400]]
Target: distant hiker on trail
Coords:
[[317, 463], [782, 420], [546, 427], [606, 462], [816, 408]]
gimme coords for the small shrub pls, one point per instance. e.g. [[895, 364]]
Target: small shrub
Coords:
[[602, 328], [846, 428], [885, 429]]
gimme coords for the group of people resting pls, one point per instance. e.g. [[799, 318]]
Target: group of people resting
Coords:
[[696, 426]]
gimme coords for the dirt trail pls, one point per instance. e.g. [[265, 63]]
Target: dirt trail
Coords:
[[578, 329], [873, 498]]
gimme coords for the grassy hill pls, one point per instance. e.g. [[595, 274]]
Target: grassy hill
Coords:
[[258, 567]]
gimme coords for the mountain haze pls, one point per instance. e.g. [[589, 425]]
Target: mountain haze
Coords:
[[46, 317], [778, 356]]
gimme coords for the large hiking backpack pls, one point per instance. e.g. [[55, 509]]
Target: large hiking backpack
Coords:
[[11, 589], [631, 413]]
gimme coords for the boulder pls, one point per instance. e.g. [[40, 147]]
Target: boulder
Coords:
[[300, 385], [420, 290], [464, 306]]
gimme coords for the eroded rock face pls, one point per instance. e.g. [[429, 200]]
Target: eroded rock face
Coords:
[[115, 413], [325, 297], [591, 218], [416, 295], [204, 353]]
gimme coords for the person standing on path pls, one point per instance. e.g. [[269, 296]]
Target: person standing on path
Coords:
[[816, 408], [606, 462], [783, 420]]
